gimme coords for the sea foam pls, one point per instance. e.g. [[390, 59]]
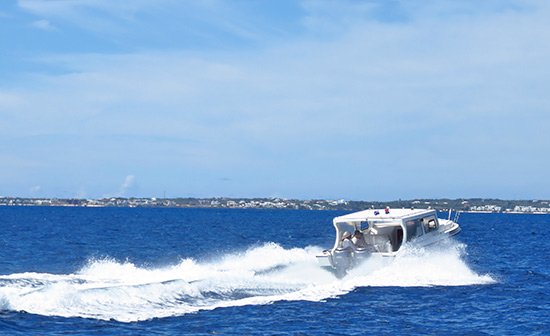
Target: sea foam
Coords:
[[110, 289]]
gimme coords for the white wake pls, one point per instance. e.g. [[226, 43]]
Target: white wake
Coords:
[[107, 289]]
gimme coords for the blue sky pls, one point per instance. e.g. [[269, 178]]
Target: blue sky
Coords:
[[362, 100]]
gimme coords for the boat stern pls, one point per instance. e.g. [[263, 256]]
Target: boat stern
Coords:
[[324, 259]]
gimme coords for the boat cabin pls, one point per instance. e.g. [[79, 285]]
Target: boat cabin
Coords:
[[384, 231]]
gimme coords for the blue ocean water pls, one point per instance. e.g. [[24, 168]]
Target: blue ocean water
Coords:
[[123, 271]]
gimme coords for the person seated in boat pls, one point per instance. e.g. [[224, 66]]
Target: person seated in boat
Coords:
[[347, 244], [359, 240]]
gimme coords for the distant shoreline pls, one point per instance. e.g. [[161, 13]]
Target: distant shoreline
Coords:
[[473, 205], [507, 212]]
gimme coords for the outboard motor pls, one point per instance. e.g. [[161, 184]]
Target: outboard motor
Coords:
[[361, 254], [342, 261]]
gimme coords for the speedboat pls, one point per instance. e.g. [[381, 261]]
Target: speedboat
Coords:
[[382, 232]]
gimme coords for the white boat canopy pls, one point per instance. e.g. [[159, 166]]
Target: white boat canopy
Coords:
[[380, 215]]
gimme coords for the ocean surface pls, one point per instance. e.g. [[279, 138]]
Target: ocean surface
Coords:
[[136, 271]]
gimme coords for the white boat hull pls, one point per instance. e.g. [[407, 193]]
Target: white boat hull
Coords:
[[386, 236]]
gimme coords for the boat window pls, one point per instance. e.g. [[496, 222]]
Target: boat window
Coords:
[[412, 226], [429, 223]]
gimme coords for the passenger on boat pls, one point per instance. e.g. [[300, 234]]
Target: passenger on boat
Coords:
[[347, 243], [359, 240]]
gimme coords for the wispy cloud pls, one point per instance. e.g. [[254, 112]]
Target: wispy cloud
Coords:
[[77, 8], [129, 182], [35, 190], [96, 16], [416, 100], [209, 21], [44, 25]]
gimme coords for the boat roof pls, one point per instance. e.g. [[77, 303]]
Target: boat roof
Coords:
[[380, 214]]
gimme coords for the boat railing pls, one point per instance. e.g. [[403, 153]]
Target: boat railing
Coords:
[[456, 215]]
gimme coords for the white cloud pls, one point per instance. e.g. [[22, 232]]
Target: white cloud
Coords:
[[375, 74], [44, 25], [35, 190], [89, 14], [410, 99], [124, 18], [129, 182], [75, 8], [9, 100]]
